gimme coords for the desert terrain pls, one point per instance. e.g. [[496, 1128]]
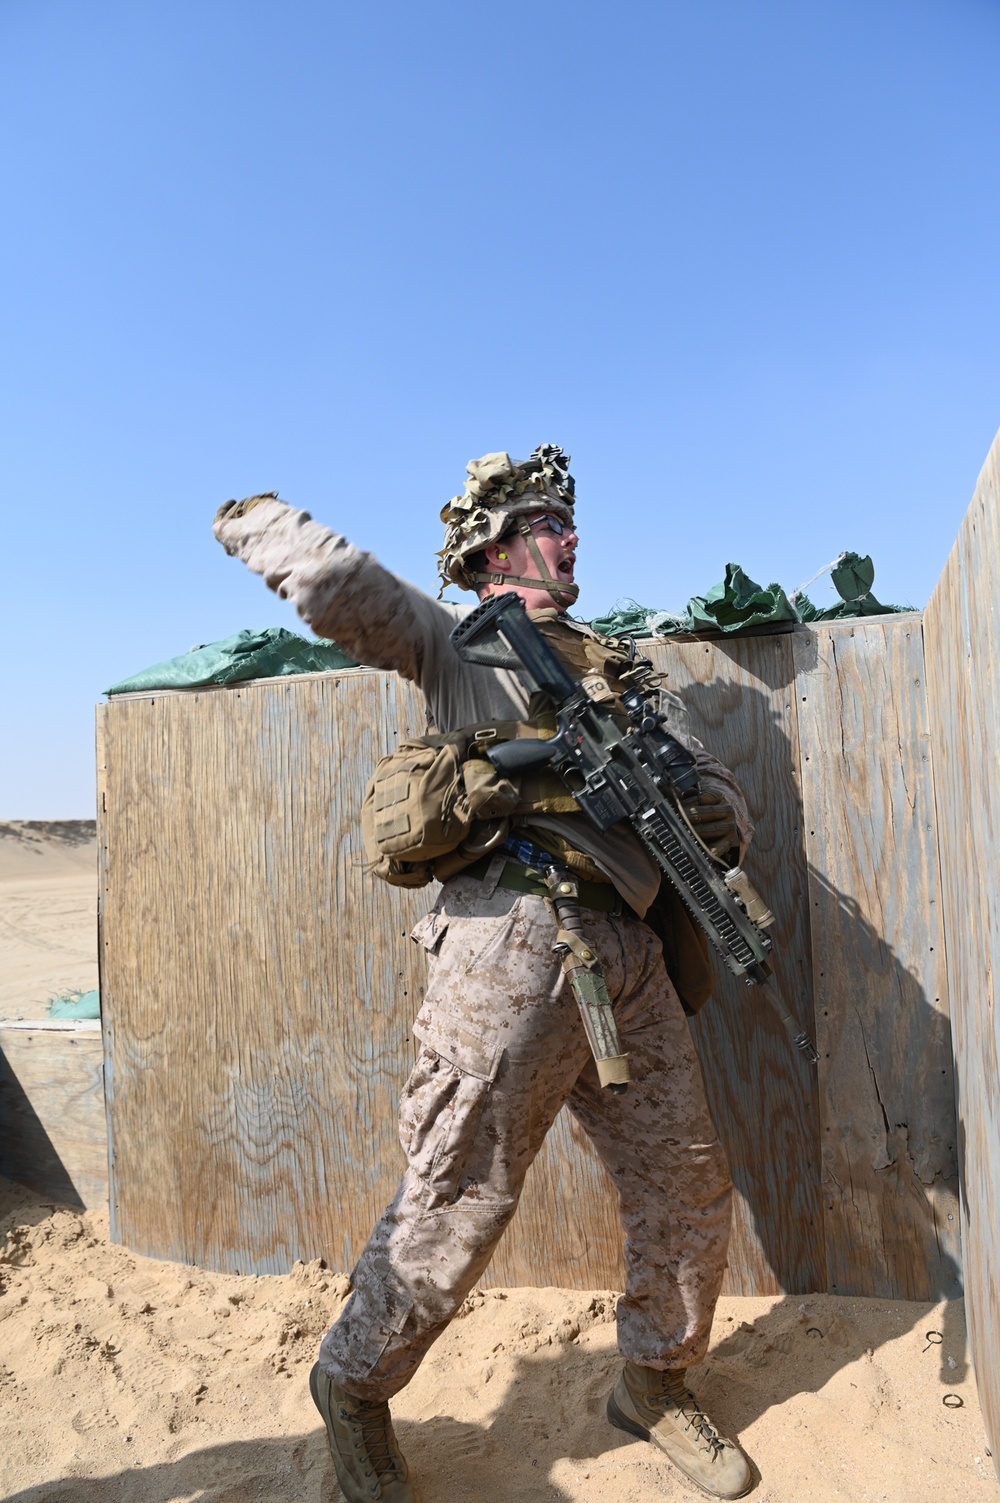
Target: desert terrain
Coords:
[[127, 1380], [48, 912]]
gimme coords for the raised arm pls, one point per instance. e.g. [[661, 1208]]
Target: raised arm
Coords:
[[341, 592]]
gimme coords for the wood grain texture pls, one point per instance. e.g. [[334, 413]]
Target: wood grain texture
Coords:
[[52, 1129], [741, 698], [886, 1079], [962, 644], [258, 986]]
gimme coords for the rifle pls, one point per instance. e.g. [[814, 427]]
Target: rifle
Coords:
[[643, 775]]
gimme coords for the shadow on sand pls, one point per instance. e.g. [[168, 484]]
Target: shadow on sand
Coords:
[[552, 1412]]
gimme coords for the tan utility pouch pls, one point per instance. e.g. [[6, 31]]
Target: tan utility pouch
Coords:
[[426, 798]]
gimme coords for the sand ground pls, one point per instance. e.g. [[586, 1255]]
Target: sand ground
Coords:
[[127, 1380], [48, 912]]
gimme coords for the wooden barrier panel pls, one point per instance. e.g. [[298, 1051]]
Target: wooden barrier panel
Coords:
[[53, 1134], [741, 698], [888, 1136], [259, 989], [962, 636]]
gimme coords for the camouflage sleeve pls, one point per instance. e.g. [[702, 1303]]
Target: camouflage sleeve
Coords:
[[342, 592], [713, 773]]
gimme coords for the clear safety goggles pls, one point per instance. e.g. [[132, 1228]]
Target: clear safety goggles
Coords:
[[551, 522]]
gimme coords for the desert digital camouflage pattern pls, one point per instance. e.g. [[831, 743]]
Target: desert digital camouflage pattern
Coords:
[[503, 1050]]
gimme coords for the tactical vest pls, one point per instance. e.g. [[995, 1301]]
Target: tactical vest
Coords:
[[599, 663]]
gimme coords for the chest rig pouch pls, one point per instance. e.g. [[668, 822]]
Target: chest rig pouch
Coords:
[[436, 804]]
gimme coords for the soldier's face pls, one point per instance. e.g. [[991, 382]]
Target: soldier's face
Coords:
[[558, 552]]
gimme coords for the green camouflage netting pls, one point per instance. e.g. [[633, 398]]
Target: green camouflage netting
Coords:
[[739, 603], [734, 605], [269, 653]]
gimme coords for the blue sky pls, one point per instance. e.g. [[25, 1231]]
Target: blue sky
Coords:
[[740, 260]]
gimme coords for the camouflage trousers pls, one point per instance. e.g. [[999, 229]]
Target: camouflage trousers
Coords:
[[503, 1050]]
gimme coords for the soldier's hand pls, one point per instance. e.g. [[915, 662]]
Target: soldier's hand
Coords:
[[714, 822], [230, 510]]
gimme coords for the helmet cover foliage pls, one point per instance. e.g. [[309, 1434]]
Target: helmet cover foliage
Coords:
[[498, 491]]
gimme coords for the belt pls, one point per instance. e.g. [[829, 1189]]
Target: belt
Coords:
[[602, 896]]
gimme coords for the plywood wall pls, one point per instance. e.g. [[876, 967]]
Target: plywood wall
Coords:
[[855, 1186], [52, 1128], [962, 631], [259, 987], [887, 1095], [741, 698]]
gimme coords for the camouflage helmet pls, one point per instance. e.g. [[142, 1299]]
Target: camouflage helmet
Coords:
[[498, 492]]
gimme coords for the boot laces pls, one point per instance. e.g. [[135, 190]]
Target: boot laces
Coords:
[[677, 1393], [377, 1437]]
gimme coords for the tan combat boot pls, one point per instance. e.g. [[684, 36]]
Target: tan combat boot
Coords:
[[364, 1449], [659, 1407]]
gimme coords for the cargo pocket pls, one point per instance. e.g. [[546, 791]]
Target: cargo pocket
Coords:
[[443, 1099]]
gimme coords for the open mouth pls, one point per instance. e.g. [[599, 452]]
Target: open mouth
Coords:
[[566, 565]]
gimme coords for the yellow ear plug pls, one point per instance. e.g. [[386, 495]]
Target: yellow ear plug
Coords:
[[501, 555]]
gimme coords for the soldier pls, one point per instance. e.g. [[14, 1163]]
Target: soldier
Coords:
[[503, 1046]]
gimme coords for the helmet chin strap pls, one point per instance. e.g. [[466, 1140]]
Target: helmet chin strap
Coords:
[[561, 592]]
